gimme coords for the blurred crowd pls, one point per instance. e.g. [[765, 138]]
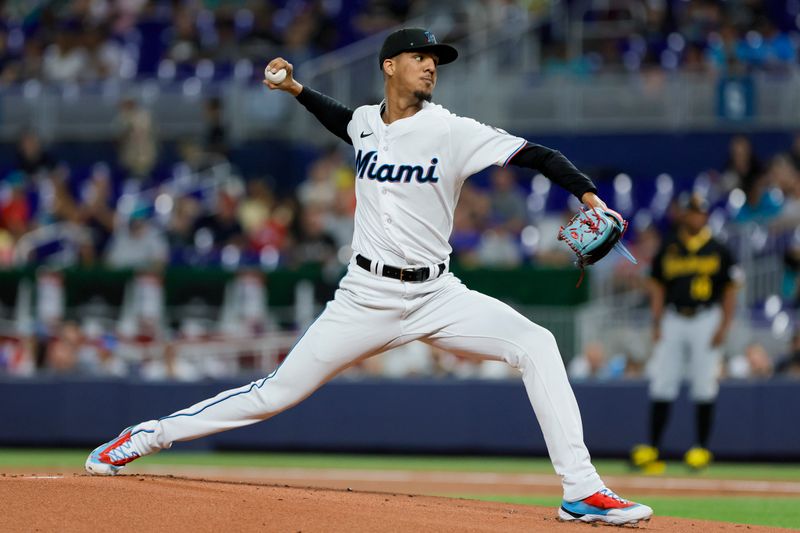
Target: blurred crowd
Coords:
[[204, 214], [154, 204], [196, 209], [94, 40], [701, 36], [121, 214], [604, 361]]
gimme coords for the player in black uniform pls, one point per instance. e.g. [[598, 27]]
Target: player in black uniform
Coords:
[[692, 300]]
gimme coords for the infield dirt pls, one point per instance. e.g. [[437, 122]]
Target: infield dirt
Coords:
[[136, 503]]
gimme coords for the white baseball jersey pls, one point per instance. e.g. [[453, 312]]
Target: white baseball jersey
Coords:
[[409, 175], [408, 179]]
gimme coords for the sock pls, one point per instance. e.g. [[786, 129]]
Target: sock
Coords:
[[659, 413], [704, 413]]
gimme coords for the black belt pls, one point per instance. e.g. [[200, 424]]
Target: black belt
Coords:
[[403, 274], [689, 311]]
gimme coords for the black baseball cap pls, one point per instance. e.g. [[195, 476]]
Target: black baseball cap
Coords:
[[694, 202], [409, 39]]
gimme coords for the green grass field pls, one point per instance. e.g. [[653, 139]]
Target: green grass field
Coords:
[[770, 511]]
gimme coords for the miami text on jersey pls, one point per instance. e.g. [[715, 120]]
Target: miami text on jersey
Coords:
[[366, 165]]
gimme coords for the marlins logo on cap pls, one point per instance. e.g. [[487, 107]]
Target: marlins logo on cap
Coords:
[[410, 39]]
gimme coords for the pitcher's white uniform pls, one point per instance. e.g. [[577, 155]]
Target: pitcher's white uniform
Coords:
[[408, 178]]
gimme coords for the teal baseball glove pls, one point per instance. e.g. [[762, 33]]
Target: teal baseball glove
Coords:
[[592, 234]]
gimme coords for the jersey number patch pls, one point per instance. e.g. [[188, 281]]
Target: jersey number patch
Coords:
[[701, 288]]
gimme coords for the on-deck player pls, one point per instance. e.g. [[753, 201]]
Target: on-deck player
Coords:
[[411, 158]]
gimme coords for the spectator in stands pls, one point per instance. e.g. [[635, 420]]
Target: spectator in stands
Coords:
[[7, 57], [264, 38], [791, 275], [193, 159], [273, 238], [319, 188], [722, 50], [508, 207], [789, 364], [469, 220], [767, 48], [137, 243], [95, 356], [339, 221], [743, 168], [786, 178], [499, 247], [96, 211], [763, 202], [180, 228], [225, 50], [256, 207], [410, 360], [216, 135], [25, 67], [137, 147], [184, 47], [694, 60], [15, 209], [222, 226], [697, 19], [645, 245], [169, 367], [106, 58], [557, 61], [312, 243], [754, 363], [794, 152], [62, 350], [325, 34], [549, 251], [595, 364], [63, 208], [31, 157], [381, 15], [66, 60], [6, 247]]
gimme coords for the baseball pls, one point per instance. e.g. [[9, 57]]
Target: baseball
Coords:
[[275, 78]]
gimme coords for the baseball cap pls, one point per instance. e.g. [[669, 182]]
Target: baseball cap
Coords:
[[409, 39], [694, 202]]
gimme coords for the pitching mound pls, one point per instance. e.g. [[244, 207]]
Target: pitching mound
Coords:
[[136, 503]]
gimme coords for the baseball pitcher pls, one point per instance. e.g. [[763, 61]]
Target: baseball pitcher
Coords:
[[411, 158]]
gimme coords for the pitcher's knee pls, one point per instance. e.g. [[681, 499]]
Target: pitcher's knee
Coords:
[[275, 397], [536, 344]]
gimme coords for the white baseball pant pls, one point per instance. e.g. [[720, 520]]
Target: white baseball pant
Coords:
[[683, 337], [370, 314]]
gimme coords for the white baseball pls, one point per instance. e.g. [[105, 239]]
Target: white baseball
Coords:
[[275, 78]]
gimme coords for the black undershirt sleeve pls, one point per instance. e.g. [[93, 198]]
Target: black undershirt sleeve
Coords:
[[331, 113], [554, 166]]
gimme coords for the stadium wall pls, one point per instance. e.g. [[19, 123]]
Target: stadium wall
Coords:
[[754, 420]]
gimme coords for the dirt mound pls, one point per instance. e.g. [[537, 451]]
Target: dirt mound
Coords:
[[135, 503]]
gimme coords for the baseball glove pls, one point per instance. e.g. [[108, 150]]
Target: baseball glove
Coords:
[[592, 233]]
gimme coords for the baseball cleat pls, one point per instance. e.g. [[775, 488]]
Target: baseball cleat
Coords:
[[656, 468], [643, 454], [698, 458], [604, 506], [109, 458]]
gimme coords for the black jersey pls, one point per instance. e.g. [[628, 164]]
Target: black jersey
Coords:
[[694, 270]]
